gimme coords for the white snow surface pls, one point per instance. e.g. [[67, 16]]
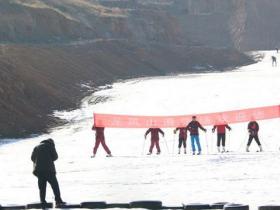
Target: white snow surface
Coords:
[[240, 177]]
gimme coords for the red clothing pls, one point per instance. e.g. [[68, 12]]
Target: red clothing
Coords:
[[182, 132], [154, 133], [153, 143], [99, 133], [100, 138], [221, 129], [253, 128], [97, 143]]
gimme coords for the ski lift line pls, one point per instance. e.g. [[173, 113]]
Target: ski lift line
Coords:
[[235, 116]]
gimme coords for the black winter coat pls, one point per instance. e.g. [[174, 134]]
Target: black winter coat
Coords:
[[43, 157]]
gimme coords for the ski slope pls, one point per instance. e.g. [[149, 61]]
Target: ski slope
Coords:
[[250, 178]]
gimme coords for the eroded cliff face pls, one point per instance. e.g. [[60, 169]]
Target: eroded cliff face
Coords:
[[243, 24]]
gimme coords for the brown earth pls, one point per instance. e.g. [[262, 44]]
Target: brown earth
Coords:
[[241, 24], [37, 79]]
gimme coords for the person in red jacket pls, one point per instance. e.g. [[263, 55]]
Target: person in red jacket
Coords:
[[100, 138], [182, 138], [253, 129], [154, 139], [221, 135]]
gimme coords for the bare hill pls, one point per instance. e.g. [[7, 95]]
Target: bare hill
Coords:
[[245, 25], [37, 79]]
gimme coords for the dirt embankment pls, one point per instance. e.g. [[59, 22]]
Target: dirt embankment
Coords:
[[37, 79], [241, 24]]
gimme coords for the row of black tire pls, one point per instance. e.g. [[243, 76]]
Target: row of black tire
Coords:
[[141, 204]]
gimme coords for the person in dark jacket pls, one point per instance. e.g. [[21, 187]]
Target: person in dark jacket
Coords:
[[100, 139], [43, 157], [193, 127], [154, 139], [182, 138], [221, 135], [253, 129]]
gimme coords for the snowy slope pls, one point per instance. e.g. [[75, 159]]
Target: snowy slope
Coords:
[[235, 177]]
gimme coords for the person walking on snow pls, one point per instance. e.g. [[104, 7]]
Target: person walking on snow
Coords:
[[193, 128], [253, 129], [154, 139], [100, 138], [274, 60], [221, 135], [43, 157], [182, 138]]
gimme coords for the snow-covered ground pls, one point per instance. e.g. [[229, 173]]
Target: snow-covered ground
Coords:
[[250, 178]]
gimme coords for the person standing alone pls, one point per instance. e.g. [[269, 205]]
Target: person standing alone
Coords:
[[100, 138], [274, 61], [253, 129], [193, 128], [43, 157]]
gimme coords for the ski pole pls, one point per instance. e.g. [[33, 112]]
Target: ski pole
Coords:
[[174, 136], [166, 145], [211, 143], [242, 143], [228, 141], [143, 147], [206, 143]]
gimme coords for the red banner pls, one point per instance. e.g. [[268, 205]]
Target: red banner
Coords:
[[236, 116]]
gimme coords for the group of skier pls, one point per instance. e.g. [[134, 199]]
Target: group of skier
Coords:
[[44, 155], [193, 129]]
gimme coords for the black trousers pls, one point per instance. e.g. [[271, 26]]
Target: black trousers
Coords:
[[251, 137], [182, 141], [43, 178], [221, 137]]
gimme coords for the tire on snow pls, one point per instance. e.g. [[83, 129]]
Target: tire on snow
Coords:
[[94, 205], [219, 205], [69, 206], [233, 206], [196, 206], [118, 205], [13, 207], [146, 204], [269, 207], [38, 206]]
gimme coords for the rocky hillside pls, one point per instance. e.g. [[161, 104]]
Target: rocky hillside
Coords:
[[245, 25]]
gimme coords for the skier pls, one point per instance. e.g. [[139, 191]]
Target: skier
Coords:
[[221, 135], [182, 138], [154, 139], [277, 49], [274, 60], [253, 129], [100, 138], [43, 157], [193, 128]]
